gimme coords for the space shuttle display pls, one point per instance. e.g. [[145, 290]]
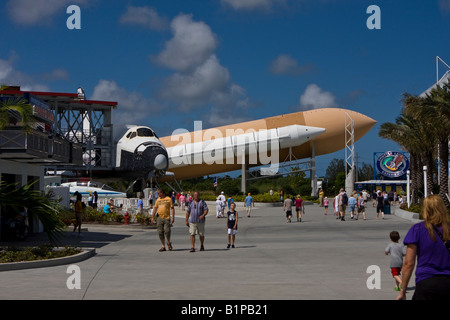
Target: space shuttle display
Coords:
[[189, 154], [261, 142]]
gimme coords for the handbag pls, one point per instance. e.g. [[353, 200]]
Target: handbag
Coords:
[[447, 244]]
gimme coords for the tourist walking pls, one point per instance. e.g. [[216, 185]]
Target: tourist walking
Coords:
[[78, 213], [321, 194], [140, 204], [95, 200], [249, 203], [336, 206], [195, 219], [287, 207], [232, 225], [182, 201], [325, 205], [343, 201], [163, 210], [429, 242], [397, 251], [223, 200], [352, 205], [361, 208], [380, 204], [299, 208], [218, 208]]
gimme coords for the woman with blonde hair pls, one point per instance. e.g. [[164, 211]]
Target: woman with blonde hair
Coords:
[[429, 241]]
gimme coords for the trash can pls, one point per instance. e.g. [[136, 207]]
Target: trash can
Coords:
[[387, 209]]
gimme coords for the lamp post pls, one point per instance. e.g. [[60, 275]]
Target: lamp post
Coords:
[[408, 199], [425, 191]]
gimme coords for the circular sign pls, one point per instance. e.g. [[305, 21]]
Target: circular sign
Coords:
[[392, 164]]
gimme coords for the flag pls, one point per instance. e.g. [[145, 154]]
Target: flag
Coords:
[[215, 182]]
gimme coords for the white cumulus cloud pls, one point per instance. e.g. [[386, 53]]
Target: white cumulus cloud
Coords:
[[199, 80], [444, 5], [145, 17], [38, 12], [285, 64], [198, 87], [315, 97], [192, 44], [10, 76], [248, 4], [133, 107]]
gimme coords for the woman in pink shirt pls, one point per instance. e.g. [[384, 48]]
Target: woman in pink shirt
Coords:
[[182, 201], [299, 208]]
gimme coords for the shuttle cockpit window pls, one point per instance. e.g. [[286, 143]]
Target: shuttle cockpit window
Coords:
[[132, 135], [145, 132]]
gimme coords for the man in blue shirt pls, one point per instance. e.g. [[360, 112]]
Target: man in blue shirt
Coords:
[[140, 205], [248, 202], [352, 205]]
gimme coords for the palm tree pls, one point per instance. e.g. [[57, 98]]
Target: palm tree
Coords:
[[437, 111], [405, 132], [16, 110], [419, 110], [13, 200]]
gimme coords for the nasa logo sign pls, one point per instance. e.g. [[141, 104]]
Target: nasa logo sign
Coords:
[[392, 164]]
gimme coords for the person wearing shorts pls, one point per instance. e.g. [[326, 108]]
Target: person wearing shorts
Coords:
[[396, 251], [287, 206], [232, 224], [164, 207], [195, 219]]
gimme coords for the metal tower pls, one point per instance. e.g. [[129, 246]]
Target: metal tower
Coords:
[[349, 153]]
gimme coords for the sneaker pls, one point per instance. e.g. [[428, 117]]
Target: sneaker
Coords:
[[228, 246], [232, 245]]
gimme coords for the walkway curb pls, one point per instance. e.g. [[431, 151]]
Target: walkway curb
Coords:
[[413, 217], [85, 254]]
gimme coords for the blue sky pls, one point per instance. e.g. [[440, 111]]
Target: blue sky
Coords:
[[169, 63]]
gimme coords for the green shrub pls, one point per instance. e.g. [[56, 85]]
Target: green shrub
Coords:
[[14, 254]]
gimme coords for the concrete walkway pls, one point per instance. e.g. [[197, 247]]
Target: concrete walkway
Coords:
[[320, 258]]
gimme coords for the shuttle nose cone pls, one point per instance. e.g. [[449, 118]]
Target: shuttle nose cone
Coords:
[[312, 132], [160, 162]]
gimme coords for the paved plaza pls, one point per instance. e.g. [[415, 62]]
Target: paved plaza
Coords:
[[320, 258]]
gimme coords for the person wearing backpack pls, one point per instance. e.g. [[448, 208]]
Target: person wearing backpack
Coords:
[[343, 200]]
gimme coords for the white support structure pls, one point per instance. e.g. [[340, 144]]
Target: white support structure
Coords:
[[349, 153]]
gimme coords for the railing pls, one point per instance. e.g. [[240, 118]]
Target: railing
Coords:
[[39, 145]]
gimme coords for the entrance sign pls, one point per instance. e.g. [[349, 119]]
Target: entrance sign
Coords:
[[392, 164]]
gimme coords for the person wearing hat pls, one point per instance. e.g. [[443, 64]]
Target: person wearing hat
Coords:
[[218, 208], [223, 202]]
